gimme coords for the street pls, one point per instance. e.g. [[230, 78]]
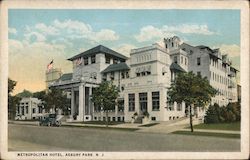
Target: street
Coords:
[[36, 138]]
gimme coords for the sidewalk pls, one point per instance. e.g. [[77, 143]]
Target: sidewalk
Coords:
[[213, 131]]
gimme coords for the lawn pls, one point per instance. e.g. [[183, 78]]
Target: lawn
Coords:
[[148, 125], [103, 128], [235, 126], [102, 122], [207, 134]]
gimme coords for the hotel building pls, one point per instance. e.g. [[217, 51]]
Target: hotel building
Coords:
[[143, 80]]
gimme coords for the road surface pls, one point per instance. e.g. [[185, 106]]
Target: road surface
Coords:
[[36, 138]]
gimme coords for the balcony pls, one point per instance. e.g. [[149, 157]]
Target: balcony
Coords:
[[231, 74]]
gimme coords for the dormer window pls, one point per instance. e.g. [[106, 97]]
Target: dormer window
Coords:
[[92, 59], [107, 59], [115, 61], [86, 62]]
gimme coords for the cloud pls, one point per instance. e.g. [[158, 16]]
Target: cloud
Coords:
[[47, 30], [12, 30], [104, 35], [232, 50], [125, 49], [34, 37], [79, 30], [149, 32]]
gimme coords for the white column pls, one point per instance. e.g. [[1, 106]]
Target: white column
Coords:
[[116, 112], [90, 105], [81, 102], [137, 104], [72, 103], [149, 102]]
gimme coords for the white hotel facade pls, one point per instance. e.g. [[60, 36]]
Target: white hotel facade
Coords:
[[144, 79]]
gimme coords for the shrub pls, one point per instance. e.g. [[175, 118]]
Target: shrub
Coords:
[[212, 115]]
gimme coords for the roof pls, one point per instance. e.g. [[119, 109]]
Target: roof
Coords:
[[99, 49], [66, 76], [116, 67], [177, 67]]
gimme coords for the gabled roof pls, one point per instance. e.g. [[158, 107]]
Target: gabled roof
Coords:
[[176, 67], [66, 76], [116, 67], [99, 49]]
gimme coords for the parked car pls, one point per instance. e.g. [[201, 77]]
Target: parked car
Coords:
[[49, 120]]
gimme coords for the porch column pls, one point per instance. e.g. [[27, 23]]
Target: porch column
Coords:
[[116, 112], [81, 102], [72, 102], [137, 103], [90, 105]]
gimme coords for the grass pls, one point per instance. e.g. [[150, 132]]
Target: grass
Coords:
[[148, 125], [223, 135], [100, 122], [235, 126], [103, 128]]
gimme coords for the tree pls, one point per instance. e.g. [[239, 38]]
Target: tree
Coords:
[[105, 96], [25, 93], [192, 89], [55, 99], [212, 114], [13, 101]]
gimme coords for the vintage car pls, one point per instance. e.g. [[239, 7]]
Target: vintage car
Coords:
[[50, 120]]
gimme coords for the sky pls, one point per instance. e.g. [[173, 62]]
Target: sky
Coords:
[[36, 36]]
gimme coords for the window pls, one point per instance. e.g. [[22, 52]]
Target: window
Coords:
[[143, 73], [171, 106], [92, 59], [104, 77], [34, 110], [18, 109], [155, 101], [131, 102], [107, 59], [153, 118], [138, 74], [191, 52], [175, 59], [199, 73], [123, 75], [143, 100], [27, 109], [172, 44], [179, 106], [198, 61], [185, 61], [166, 45], [115, 61], [127, 75], [148, 72], [181, 60], [113, 118], [86, 62], [112, 75], [22, 110], [120, 105]]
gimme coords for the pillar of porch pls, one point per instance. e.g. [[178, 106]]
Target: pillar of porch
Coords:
[[81, 103], [72, 103]]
